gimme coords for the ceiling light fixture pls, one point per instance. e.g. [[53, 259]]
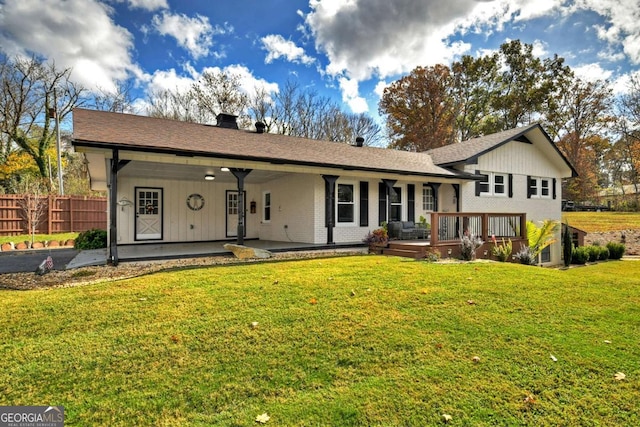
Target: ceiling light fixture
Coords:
[[224, 169], [209, 177]]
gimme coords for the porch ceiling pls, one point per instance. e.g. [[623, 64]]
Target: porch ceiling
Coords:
[[138, 169]]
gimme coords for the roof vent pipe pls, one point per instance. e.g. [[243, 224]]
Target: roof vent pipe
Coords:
[[359, 141], [226, 120], [260, 127]]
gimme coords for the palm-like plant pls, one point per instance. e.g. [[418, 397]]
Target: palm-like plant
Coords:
[[543, 236]]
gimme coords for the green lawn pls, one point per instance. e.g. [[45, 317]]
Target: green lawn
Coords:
[[593, 222], [352, 341]]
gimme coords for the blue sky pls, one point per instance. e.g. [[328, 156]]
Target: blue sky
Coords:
[[345, 49]]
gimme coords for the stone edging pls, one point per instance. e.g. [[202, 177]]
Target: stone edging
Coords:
[[19, 246]]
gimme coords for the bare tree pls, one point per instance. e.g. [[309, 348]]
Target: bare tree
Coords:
[[33, 203], [31, 90]]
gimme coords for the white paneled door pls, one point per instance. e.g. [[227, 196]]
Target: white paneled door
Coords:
[[148, 213], [233, 213]]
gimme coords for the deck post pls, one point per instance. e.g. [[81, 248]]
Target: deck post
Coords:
[[485, 227], [435, 219], [523, 226]]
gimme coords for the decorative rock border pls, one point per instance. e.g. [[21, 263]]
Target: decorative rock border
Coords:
[[21, 246]]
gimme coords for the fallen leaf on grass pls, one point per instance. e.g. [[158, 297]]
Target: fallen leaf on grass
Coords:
[[263, 418], [446, 418], [471, 302], [476, 359], [555, 359], [254, 325], [313, 301], [175, 338], [607, 342], [530, 399], [619, 376], [353, 293]]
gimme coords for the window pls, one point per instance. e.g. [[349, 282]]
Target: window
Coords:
[[396, 204], [428, 202], [499, 184], [266, 210], [346, 203], [539, 188], [485, 184], [494, 184]]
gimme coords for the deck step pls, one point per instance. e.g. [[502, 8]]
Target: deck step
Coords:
[[415, 253]]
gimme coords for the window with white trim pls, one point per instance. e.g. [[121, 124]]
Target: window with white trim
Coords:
[[494, 184], [266, 206], [428, 201], [540, 188], [346, 203], [395, 198]]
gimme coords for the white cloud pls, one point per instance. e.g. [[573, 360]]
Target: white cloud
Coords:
[[193, 34], [622, 23], [149, 5], [277, 47], [592, 72], [58, 31], [349, 88]]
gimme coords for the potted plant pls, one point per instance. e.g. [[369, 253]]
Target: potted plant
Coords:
[[376, 239]]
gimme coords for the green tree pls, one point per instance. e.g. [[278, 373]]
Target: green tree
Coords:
[[420, 110]]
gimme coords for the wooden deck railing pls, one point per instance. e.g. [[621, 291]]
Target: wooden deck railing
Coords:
[[447, 227]]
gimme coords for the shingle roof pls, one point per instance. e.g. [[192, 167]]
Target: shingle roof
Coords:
[[471, 148], [108, 130]]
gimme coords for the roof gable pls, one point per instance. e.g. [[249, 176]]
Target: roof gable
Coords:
[[468, 151]]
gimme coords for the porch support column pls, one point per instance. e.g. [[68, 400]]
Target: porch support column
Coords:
[[113, 208], [389, 183], [456, 190], [240, 175], [435, 186], [329, 205]]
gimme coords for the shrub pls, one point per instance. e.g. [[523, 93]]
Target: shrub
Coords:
[[526, 256], [604, 253], [432, 255], [579, 255], [593, 252], [616, 250], [91, 239], [501, 251], [567, 245], [469, 244]]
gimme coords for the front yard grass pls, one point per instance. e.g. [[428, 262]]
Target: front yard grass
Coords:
[[595, 222], [353, 341]]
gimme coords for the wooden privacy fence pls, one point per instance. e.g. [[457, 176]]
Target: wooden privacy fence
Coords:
[[60, 214]]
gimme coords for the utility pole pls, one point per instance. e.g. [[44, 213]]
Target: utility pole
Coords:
[[53, 113]]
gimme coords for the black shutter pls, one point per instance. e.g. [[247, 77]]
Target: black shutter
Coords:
[[477, 184], [510, 183], [554, 188], [382, 202], [364, 203], [528, 186], [411, 202]]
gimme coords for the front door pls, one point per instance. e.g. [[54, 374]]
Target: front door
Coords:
[[148, 213], [233, 214]]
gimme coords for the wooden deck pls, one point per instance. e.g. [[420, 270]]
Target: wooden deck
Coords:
[[451, 226]]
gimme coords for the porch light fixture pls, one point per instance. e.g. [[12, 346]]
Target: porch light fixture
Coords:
[[209, 177], [224, 169]]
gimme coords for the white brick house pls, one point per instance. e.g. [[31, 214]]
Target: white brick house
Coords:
[[171, 181]]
